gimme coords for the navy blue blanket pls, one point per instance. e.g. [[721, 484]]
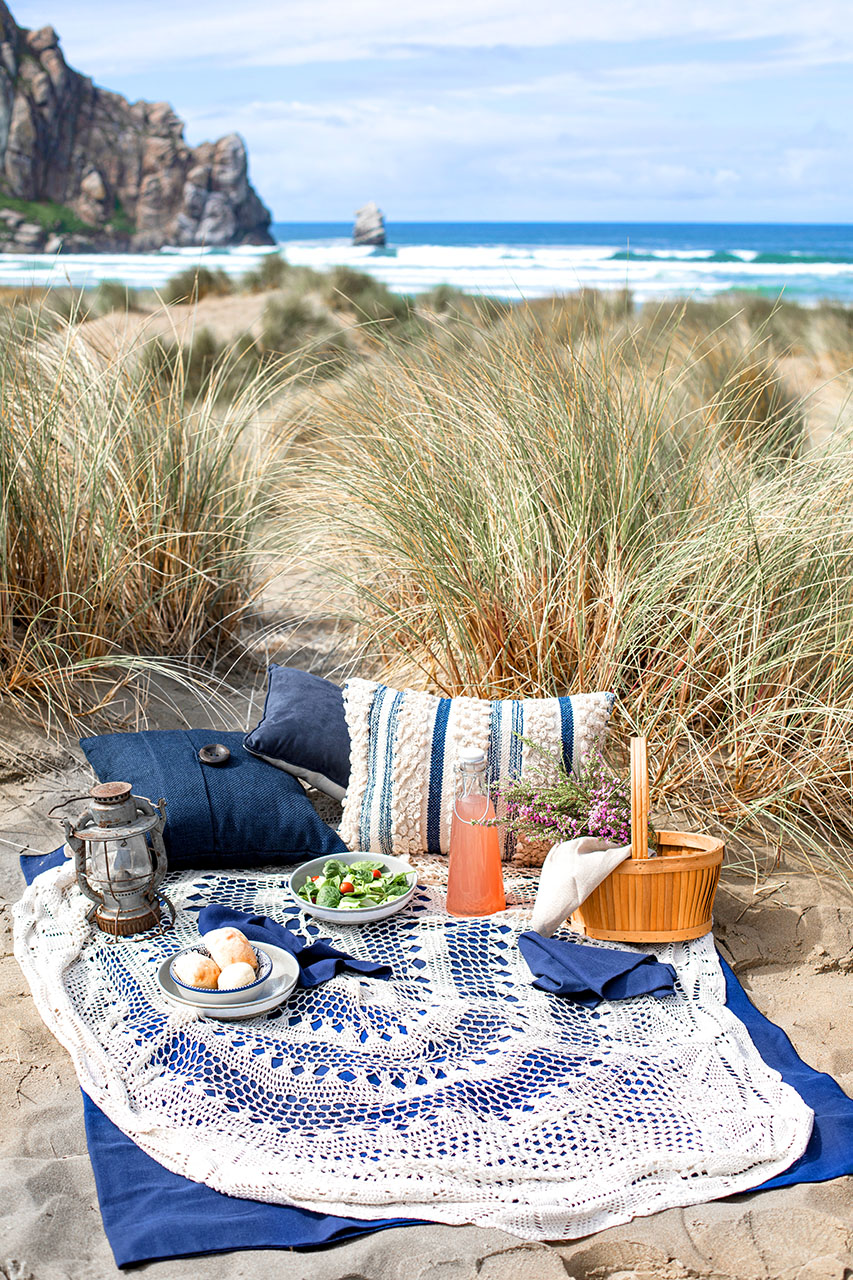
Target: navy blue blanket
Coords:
[[150, 1214]]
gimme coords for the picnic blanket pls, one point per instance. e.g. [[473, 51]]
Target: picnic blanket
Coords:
[[455, 1092]]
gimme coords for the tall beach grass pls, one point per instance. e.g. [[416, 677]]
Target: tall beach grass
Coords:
[[504, 501], [130, 514], [585, 501]]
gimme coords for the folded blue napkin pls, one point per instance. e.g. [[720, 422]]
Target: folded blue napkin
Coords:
[[318, 962], [589, 975]]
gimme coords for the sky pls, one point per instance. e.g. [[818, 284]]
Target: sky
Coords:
[[519, 110]]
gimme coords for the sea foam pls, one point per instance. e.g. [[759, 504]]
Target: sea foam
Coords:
[[499, 268]]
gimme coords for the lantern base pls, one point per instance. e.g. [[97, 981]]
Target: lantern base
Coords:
[[125, 926]]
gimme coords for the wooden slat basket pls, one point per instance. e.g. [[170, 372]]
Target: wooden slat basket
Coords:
[[664, 899]]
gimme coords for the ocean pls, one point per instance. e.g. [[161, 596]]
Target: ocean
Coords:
[[801, 262]]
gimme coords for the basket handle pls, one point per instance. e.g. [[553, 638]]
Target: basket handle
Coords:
[[639, 798]]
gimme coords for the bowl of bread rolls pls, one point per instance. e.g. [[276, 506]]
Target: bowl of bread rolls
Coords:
[[223, 968]]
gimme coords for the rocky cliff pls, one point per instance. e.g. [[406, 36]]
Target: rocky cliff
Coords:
[[83, 169]]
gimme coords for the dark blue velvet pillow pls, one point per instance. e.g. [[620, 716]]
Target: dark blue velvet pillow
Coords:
[[304, 730], [234, 815]]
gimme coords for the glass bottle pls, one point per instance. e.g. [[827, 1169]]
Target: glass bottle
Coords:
[[475, 885]]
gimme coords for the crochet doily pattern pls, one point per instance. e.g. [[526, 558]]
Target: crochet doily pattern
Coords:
[[455, 1091]]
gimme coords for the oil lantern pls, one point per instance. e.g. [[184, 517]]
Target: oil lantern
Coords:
[[120, 858]]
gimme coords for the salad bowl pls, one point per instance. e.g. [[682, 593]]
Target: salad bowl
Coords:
[[365, 887]]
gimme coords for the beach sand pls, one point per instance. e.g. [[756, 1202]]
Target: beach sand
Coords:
[[790, 941], [225, 317]]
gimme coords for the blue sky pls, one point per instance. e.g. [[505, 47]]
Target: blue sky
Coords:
[[607, 110]]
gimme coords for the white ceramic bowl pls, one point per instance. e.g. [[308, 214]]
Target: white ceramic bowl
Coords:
[[277, 988], [234, 995], [335, 915]]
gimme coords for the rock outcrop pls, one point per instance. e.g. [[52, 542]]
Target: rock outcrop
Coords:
[[369, 225], [84, 169]]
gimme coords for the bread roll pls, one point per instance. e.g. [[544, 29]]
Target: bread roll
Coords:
[[236, 975], [196, 970], [230, 946]]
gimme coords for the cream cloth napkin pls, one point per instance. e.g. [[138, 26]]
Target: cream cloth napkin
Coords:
[[569, 874]]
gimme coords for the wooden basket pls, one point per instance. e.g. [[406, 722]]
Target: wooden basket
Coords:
[[664, 899]]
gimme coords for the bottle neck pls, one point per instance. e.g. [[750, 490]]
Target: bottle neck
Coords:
[[473, 781]]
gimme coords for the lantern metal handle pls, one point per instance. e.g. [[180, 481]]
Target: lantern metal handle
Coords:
[[78, 848], [143, 805], [63, 803]]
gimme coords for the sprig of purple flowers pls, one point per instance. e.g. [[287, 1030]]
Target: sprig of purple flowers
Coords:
[[553, 804]]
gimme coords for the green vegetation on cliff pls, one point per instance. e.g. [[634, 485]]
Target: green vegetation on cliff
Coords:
[[53, 217]]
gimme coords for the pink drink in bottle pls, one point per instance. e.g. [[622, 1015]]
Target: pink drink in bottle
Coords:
[[475, 885]]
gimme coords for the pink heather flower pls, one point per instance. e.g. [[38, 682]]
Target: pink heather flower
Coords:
[[596, 803]]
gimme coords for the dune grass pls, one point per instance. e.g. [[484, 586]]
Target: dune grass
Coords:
[[504, 501], [113, 295], [194, 283], [584, 499], [368, 298], [130, 516], [270, 273], [308, 342]]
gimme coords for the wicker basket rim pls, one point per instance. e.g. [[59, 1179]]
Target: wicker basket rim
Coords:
[[670, 866]]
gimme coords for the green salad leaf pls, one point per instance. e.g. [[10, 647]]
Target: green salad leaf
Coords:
[[334, 869], [328, 895], [363, 871]]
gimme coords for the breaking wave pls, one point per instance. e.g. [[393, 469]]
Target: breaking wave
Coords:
[[513, 260]]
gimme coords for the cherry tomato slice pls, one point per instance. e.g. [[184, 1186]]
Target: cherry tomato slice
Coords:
[[347, 887], [377, 874]]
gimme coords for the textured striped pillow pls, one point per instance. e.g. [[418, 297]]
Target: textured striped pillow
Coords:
[[404, 748]]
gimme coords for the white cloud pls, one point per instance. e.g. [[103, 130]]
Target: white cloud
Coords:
[[141, 33], [434, 161]]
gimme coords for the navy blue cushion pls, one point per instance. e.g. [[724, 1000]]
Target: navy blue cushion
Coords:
[[234, 815], [304, 730]]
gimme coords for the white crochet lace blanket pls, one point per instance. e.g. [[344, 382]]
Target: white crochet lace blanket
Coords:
[[454, 1092]]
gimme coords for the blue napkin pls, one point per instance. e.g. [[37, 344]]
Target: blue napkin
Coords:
[[589, 975], [318, 962]]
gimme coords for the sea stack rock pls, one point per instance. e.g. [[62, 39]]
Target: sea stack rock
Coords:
[[369, 225], [83, 169]]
